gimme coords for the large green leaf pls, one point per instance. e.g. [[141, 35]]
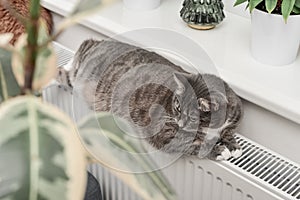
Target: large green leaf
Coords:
[[271, 5], [38, 145], [286, 8], [106, 138], [253, 4], [8, 84], [238, 2]]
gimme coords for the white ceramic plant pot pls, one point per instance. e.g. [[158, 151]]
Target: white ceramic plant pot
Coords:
[[273, 41], [141, 4]]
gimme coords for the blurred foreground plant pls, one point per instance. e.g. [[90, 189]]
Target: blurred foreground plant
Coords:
[[42, 155]]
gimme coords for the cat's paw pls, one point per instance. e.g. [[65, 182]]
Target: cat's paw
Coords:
[[225, 155], [236, 153]]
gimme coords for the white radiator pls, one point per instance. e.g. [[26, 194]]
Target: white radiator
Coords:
[[259, 174]]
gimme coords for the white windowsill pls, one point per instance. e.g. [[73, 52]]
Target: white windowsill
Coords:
[[274, 88]]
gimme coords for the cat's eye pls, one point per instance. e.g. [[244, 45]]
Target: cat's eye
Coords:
[[178, 108], [177, 105]]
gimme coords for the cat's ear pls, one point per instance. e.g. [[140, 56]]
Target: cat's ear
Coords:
[[180, 79]]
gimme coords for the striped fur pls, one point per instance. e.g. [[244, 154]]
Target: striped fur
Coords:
[[174, 110]]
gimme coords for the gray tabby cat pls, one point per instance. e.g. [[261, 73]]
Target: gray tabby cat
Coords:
[[175, 111]]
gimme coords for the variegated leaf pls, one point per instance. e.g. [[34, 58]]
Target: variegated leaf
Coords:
[[105, 138], [45, 63], [18, 58], [8, 84], [41, 157]]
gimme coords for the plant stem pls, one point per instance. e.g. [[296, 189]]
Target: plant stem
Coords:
[[32, 44]]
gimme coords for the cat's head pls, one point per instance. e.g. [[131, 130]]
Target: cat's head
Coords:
[[196, 103]]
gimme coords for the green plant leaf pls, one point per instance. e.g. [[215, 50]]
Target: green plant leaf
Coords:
[[286, 8], [37, 148], [297, 3], [45, 63], [238, 2], [271, 5], [106, 138], [46, 60], [296, 10], [8, 84], [253, 4]]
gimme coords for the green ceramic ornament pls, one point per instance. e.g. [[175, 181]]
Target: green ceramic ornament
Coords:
[[202, 14]]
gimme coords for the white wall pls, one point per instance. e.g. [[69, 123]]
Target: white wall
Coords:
[[72, 37], [239, 10]]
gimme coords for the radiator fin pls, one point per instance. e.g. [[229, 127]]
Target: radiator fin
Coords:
[[64, 55], [272, 169]]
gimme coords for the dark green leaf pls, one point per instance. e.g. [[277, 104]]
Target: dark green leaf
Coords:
[[253, 4], [296, 10], [238, 2], [297, 3]]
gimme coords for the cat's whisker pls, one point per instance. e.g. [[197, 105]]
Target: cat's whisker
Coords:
[[169, 121], [168, 117]]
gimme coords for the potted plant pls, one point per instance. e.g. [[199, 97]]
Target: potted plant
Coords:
[[275, 34], [43, 154]]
